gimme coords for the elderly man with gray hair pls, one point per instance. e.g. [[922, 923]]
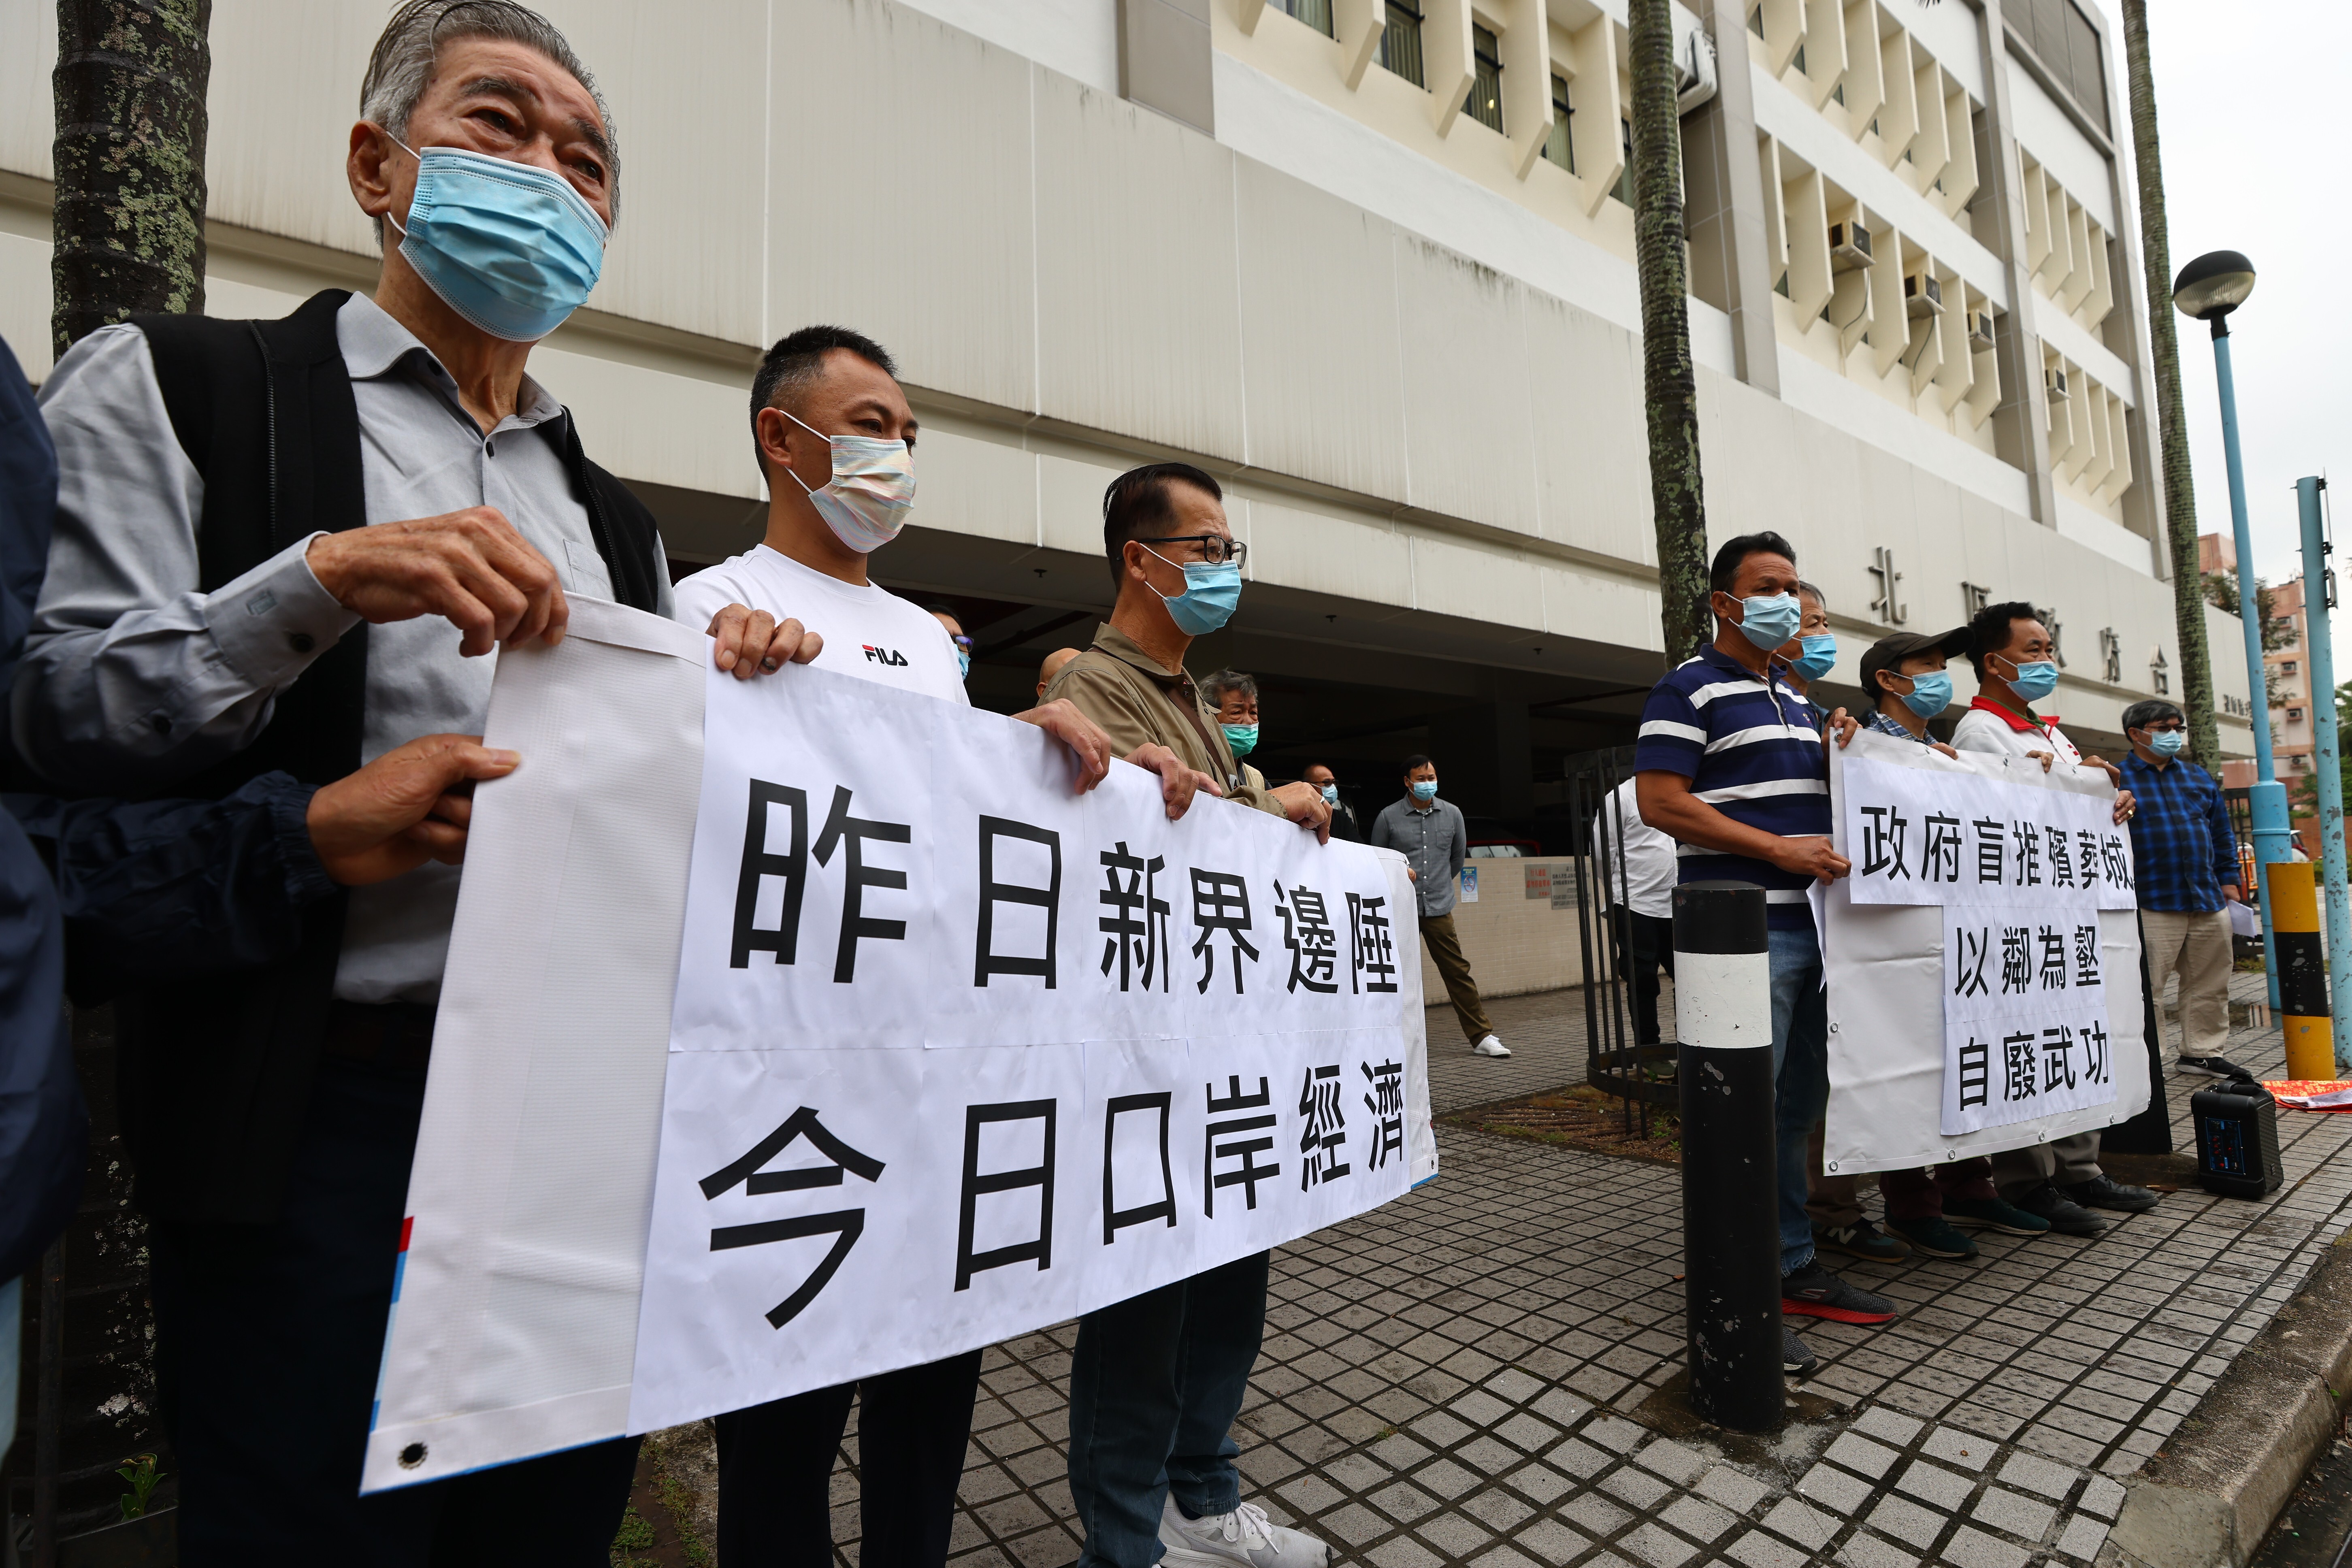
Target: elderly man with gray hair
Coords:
[[288, 546]]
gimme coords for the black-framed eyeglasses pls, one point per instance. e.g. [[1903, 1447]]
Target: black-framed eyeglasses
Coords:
[[1215, 548]]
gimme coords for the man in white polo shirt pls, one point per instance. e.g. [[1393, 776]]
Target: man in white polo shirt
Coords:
[[2016, 663], [835, 441]]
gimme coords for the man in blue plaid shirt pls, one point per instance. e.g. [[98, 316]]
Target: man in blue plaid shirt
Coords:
[[2186, 855]]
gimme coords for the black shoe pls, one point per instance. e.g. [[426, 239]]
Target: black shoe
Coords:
[[1813, 1291], [1797, 1358], [2213, 1066], [2104, 1192], [2062, 1212]]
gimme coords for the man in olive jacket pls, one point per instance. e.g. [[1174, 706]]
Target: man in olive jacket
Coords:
[[1158, 1380]]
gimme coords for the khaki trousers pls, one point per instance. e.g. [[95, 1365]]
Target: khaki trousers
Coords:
[[2196, 947], [1445, 952]]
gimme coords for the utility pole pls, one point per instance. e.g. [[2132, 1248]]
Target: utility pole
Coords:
[[1670, 384]]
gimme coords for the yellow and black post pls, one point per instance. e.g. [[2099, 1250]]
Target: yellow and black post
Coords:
[[2292, 893]]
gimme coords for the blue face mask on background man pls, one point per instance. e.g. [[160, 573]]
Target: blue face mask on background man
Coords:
[[1819, 658], [1930, 694], [1330, 795], [510, 247], [1425, 790], [1210, 594], [2167, 742], [2033, 681]]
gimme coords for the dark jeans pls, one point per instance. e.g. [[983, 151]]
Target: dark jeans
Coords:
[[1645, 944], [1154, 1388], [775, 1469], [267, 1341]]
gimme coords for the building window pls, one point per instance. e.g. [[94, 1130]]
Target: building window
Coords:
[[1401, 44], [1561, 146], [1624, 191], [2286, 667], [1316, 13], [2295, 715], [1486, 101]]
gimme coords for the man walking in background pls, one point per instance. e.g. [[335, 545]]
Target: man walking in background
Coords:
[[2187, 857], [1434, 839]]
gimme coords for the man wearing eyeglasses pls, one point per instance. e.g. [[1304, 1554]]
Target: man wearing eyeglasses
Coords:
[[1158, 1379]]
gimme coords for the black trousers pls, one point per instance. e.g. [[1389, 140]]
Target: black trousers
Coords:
[[775, 1469], [267, 1343], [1645, 944]]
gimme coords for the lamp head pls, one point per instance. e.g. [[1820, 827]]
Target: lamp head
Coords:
[[2213, 285]]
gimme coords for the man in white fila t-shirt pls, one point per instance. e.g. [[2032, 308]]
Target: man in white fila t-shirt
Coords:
[[835, 442], [2058, 1182]]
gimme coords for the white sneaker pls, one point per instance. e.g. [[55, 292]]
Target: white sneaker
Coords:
[[1244, 1537], [1490, 1047]]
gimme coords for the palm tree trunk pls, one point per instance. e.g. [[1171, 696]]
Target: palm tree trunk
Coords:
[[1670, 386], [2179, 493], [130, 213]]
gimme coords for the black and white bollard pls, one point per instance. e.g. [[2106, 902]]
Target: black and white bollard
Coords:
[[1731, 1231]]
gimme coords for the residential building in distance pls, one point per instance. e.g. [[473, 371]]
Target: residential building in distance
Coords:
[[1369, 261]]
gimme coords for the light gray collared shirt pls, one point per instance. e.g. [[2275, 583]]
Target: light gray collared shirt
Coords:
[[133, 678], [1434, 839]]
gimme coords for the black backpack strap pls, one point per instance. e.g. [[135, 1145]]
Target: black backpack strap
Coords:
[[625, 533]]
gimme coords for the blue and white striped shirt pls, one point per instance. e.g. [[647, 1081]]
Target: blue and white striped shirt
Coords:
[[1754, 754]]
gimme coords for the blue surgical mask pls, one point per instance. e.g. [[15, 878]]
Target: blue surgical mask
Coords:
[[1209, 596], [1330, 795], [1929, 695], [1242, 738], [2167, 742], [510, 247], [1819, 655], [1425, 790], [2034, 682], [1770, 619], [964, 665]]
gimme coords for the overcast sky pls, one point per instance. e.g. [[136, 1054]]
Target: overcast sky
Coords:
[[2254, 137]]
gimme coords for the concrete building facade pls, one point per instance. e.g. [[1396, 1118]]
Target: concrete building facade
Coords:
[[1369, 262]]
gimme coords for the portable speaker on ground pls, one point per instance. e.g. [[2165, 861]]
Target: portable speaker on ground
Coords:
[[2236, 1126]]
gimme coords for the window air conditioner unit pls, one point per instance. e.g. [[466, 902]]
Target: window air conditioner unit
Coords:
[[2055, 377], [1981, 329], [1849, 247], [1922, 295]]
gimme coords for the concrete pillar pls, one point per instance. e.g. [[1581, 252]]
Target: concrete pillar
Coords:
[[1723, 183], [1165, 59], [2022, 422]]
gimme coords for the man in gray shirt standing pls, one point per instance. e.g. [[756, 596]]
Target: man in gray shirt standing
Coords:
[[1434, 839], [293, 545]]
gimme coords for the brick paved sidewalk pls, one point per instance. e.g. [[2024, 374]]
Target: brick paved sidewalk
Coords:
[[1459, 1378]]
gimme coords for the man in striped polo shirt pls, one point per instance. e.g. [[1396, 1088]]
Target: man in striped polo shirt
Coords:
[[1730, 765]]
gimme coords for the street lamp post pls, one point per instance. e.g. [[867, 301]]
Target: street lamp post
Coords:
[[2207, 289]]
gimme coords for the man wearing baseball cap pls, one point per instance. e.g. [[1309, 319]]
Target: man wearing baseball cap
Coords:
[[1904, 675]]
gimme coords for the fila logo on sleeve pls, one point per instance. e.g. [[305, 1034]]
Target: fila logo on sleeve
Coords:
[[883, 656]]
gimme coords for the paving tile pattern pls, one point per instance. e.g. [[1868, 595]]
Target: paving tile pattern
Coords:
[[1447, 1380]]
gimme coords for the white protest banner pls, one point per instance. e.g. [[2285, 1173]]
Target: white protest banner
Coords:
[[1979, 999], [1979, 838], [947, 1054]]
